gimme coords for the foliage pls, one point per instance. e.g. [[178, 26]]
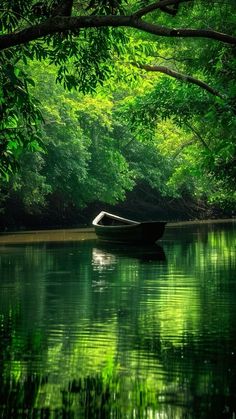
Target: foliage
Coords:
[[132, 123], [19, 115], [81, 161], [201, 158]]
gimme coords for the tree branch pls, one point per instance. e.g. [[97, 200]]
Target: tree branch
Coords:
[[198, 136], [62, 24], [182, 32], [187, 144], [180, 76]]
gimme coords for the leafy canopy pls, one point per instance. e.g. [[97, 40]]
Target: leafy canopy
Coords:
[[111, 43]]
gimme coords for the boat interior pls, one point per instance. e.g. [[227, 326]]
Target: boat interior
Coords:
[[108, 220]]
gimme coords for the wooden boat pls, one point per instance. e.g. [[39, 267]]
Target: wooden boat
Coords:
[[112, 228]]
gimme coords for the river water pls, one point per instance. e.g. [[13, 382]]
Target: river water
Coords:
[[94, 331]]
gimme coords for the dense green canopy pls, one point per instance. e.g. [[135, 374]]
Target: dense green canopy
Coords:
[[149, 97]]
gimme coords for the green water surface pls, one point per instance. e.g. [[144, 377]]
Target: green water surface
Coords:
[[94, 331]]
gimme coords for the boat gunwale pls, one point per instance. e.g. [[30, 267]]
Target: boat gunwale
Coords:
[[128, 226], [98, 218], [131, 225]]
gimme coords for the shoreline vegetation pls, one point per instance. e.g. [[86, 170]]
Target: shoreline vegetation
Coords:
[[81, 234], [131, 112]]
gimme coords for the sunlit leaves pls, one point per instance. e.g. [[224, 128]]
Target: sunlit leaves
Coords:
[[83, 161], [89, 58], [20, 116], [205, 149]]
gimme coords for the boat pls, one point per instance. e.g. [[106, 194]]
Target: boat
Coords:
[[112, 228]]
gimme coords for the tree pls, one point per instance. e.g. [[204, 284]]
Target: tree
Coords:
[[81, 161], [200, 160], [83, 39], [50, 20]]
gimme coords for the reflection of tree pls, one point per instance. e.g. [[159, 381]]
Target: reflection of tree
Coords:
[[18, 397], [151, 338]]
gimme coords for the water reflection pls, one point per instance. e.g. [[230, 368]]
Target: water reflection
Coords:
[[111, 251], [88, 331], [102, 260], [106, 256]]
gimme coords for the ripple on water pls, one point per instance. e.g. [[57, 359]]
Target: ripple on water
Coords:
[[86, 328]]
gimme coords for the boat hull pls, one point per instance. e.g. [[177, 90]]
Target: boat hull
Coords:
[[143, 232]]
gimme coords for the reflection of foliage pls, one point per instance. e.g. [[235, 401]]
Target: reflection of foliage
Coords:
[[154, 337], [19, 396], [92, 396]]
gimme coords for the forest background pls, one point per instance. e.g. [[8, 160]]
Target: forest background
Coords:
[[117, 105]]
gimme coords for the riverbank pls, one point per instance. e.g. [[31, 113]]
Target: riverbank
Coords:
[[79, 234]]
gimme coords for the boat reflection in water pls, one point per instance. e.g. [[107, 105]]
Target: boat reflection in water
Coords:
[[105, 255], [102, 260]]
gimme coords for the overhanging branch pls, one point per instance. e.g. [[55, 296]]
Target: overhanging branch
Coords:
[[198, 136], [63, 24], [183, 32], [180, 76], [180, 149]]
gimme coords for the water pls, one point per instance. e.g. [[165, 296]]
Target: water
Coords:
[[94, 331]]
